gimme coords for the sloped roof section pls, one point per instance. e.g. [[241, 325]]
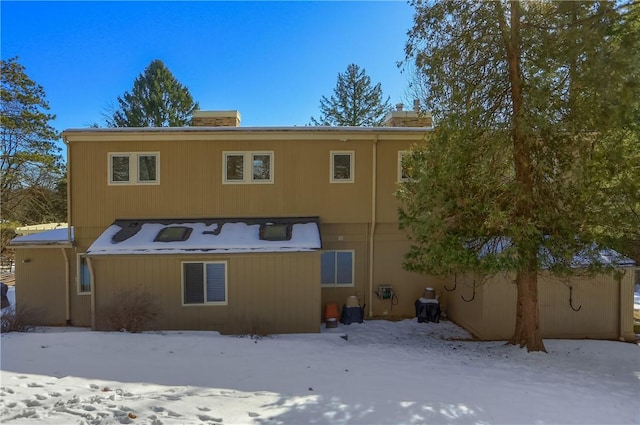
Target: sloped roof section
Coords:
[[53, 237], [214, 236]]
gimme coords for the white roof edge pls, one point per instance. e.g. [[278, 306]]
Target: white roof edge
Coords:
[[49, 238], [309, 129], [64, 244]]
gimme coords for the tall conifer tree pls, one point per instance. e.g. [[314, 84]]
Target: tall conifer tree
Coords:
[[534, 162], [157, 99], [31, 163], [355, 102]]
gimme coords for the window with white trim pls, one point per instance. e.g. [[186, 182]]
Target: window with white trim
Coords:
[[247, 167], [204, 283], [84, 276], [403, 168], [342, 166], [129, 168], [336, 268]]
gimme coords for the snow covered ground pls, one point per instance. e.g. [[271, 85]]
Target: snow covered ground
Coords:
[[378, 372]]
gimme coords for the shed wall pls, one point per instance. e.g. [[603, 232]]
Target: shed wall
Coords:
[[40, 285], [605, 307]]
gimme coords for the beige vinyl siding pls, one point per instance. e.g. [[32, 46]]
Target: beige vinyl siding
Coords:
[[40, 287], [605, 307], [273, 292], [346, 237], [391, 246], [387, 180], [191, 183]]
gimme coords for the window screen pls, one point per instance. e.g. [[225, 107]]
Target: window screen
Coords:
[[216, 291]]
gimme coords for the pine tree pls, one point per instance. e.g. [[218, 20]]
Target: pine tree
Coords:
[[534, 160], [157, 99], [355, 102], [31, 163]]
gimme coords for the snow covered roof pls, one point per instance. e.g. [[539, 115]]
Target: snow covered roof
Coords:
[[54, 237], [37, 228], [589, 256], [206, 236]]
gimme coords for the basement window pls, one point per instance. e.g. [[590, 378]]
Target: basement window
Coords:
[[275, 232], [173, 234]]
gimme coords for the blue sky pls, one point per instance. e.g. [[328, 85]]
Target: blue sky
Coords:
[[272, 61]]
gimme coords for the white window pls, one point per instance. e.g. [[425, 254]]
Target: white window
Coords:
[[336, 268], [247, 167], [134, 168], [204, 283], [403, 168], [84, 276], [342, 167]]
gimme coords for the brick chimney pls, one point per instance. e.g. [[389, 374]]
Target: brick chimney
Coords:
[[401, 118], [216, 119]]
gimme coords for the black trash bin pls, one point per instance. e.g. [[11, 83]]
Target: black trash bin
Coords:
[[427, 310]]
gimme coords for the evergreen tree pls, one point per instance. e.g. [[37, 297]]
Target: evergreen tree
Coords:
[[354, 102], [156, 100], [31, 163], [535, 158]]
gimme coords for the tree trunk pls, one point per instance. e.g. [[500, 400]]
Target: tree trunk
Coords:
[[527, 330]]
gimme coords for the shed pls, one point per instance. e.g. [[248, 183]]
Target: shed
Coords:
[[44, 268]]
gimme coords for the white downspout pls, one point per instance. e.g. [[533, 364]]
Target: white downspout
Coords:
[[69, 218], [67, 287], [69, 237], [93, 293], [374, 165]]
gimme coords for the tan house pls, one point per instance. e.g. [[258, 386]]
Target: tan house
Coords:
[[231, 227], [217, 174]]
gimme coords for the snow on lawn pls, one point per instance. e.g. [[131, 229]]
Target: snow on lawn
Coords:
[[378, 372]]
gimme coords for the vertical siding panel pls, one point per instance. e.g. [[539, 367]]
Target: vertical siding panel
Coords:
[[626, 301], [598, 297], [40, 285]]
